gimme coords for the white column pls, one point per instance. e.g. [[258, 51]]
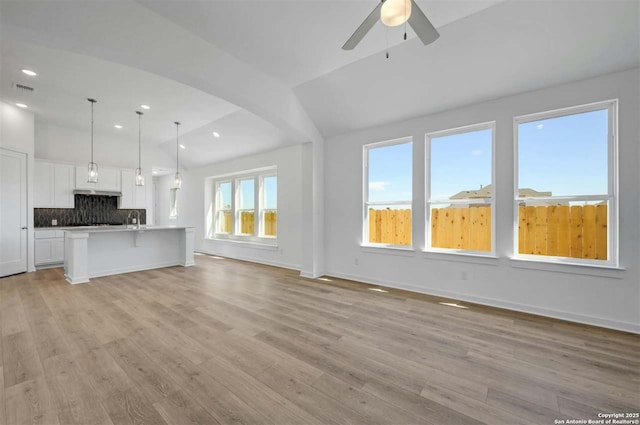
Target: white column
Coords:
[[76, 259], [187, 247]]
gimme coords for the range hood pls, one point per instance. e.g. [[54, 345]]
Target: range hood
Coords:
[[97, 192]]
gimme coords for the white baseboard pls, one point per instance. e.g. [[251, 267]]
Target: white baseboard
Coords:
[[49, 266], [250, 260], [77, 280], [491, 302], [311, 275]]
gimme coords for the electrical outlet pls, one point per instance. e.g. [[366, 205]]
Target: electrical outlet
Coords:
[[54, 222]]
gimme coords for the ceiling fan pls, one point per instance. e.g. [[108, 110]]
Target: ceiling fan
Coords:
[[393, 13]]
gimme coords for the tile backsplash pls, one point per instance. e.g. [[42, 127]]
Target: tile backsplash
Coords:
[[89, 209]]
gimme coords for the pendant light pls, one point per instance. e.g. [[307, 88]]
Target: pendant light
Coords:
[[92, 168], [177, 180], [139, 175]]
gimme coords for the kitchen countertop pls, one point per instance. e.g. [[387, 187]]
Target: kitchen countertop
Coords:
[[120, 228]]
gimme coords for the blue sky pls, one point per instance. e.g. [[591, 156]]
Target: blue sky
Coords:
[[565, 155], [270, 193], [247, 188], [390, 173], [247, 197]]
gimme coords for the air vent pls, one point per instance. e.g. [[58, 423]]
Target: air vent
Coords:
[[22, 87]]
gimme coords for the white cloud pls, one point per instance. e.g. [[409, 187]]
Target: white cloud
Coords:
[[540, 126], [378, 186], [476, 152]]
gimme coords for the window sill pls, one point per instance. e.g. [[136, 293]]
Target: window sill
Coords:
[[388, 249], [462, 256], [612, 272], [269, 244]]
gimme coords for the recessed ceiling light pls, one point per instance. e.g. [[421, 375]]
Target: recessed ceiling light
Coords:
[[183, 147], [216, 134], [118, 126], [29, 72], [21, 105], [143, 106]]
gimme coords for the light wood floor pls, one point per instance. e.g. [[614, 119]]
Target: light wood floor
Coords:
[[236, 343]]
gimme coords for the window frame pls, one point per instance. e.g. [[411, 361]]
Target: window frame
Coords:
[[234, 178], [488, 125], [173, 203], [261, 207], [612, 197], [217, 210], [365, 194], [237, 211]]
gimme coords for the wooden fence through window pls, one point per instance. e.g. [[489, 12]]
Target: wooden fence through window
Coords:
[[247, 223], [563, 231], [557, 230]]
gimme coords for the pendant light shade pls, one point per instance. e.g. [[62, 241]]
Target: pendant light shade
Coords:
[[177, 179], [139, 174], [92, 168]]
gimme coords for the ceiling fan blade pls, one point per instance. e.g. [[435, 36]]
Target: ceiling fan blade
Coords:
[[421, 25], [363, 29]]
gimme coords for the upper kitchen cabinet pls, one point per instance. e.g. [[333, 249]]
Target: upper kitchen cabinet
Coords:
[[133, 197], [108, 179], [54, 184]]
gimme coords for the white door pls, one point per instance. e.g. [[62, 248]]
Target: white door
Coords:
[[13, 212]]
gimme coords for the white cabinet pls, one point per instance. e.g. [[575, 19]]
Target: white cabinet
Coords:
[[43, 184], [133, 197], [64, 177], [108, 179], [49, 247], [53, 185]]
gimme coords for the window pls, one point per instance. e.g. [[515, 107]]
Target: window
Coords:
[[460, 199], [566, 180], [173, 203], [269, 206], [245, 206], [388, 174], [224, 208], [245, 213]]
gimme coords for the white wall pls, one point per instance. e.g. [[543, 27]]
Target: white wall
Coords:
[[17, 133], [292, 166], [608, 298], [69, 145]]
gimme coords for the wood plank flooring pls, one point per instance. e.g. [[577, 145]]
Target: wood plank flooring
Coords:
[[228, 342]]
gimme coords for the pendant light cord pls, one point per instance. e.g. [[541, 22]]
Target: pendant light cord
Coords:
[[139, 140], [405, 19], [92, 102], [177, 148]]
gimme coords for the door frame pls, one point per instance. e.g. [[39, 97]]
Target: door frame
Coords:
[[28, 212]]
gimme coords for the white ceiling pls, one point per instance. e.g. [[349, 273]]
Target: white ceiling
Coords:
[[240, 131], [65, 80], [512, 47], [282, 60], [296, 41]]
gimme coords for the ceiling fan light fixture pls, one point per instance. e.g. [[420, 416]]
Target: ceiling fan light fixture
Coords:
[[395, 12]]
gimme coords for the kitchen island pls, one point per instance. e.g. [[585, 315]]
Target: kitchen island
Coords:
[[103, 251]]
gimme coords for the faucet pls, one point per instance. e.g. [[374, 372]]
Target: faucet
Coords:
[[137, 220]]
